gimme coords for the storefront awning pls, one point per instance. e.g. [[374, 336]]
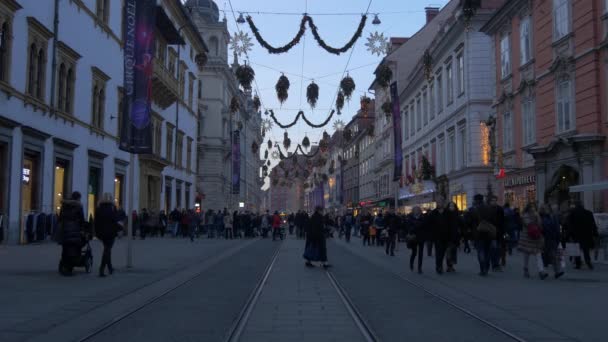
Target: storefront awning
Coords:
[[603, 185]]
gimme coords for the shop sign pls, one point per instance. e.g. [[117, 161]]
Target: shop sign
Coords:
[[26, 175], [520, 180]]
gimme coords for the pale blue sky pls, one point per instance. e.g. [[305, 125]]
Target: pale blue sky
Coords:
[[312, 59]]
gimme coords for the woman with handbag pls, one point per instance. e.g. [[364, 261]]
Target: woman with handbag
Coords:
[[531, 240]]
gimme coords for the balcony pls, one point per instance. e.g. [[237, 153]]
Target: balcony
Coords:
[[164, 86]]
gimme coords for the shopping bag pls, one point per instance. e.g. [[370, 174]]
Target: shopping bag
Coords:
[[573, 249]]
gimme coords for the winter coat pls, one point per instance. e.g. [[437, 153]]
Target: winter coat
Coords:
[[439, 225], [550, 231], [527, 244], [455, 226], [582, 226], [106, 221], [71, 220], [416, 227], [228, 221], [276, 221], [316, 227]]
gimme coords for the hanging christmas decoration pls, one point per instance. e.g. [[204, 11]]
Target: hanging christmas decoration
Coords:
[[245, 75], [286, 141], [264, 168], [266, 125], [282, 88], [384, 74], [348, 86], [377, 44], [269, 144], [469, 8], [387, 109], [266, 154], [241, 43], [268, 163], [338, 125], [254, 147], [340, 102], [303, 116], [275, 155], [312, 94], [306, 142], [315, 33], [365, 103], [263, 133], [427, 62], [323, 145], [234, 105], [256, 103]]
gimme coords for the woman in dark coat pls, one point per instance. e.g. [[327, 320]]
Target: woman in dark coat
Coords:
[[316, 248], [455, 225], [71, 232], [106, 229], [416, 237]]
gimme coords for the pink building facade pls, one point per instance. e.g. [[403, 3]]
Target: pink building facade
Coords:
[[550, 101]]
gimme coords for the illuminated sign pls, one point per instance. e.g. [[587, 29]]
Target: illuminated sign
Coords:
[[521, 180], [26, 175]]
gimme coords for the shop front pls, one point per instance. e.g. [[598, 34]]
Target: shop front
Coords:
[[419, 194], [150, 181], [519, 189]]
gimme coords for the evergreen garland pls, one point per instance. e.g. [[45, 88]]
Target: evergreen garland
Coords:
[[303, 116], [384, 74]]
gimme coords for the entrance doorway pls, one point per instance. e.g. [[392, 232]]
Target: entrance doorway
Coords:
[[93, 191], [61, 188], [558, 191], [30, 180]]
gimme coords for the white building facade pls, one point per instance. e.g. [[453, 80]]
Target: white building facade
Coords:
[[59, 117]]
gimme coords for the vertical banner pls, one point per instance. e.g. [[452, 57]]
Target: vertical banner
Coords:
[[396, 131], [236, 162], [136, 125]]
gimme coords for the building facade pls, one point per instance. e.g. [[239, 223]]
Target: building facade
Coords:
[[549, 101], [60, 110]]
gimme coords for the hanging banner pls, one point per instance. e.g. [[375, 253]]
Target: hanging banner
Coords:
[[236, 162], [396, 132], [136, 125]]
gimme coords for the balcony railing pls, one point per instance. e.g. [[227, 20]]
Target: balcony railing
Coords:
[[164, 86]]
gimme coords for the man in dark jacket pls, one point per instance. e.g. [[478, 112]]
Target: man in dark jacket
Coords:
[[106, 228], [437, 223], [584, 230], [393, 222], [496, 216], [483, 242], [71, 233]]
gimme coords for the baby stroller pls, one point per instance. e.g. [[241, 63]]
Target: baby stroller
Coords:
[[76, 256]]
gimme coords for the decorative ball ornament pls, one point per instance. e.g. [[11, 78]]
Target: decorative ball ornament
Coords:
[[377, 44], [339, 125], [241, 43], [348, 86], [266, 125], [282, 88], [306, 142], [312, 94], [275, 155], [266, 154]]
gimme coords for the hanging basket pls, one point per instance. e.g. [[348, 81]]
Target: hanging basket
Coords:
[[245, 75], [387, 109], [312, 94], [256, 103], [384, 74], [269, 144], [282, 88], [340, 102], [266, 154], [286, 141], [348, 86], [306, 142]]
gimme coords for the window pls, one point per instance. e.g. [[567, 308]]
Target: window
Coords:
[[5, 48], [179, 152], [439, 82], [156, 134], [182, 80], [525, 40], [406, 131], [170, 128], [528, 122], [460, 66], [172, 61], [507, 131], [561, 18], [418, 114], [425, 107], [38, 38], [441, 157], [67, 59], [161, 50], [505, 56], [98, 98], [450, 76], [200, 89], [120, 110], [189, 154], [190, 89], [451, 152], [564, 105], [103, 10], [432, 100], [462, 146]]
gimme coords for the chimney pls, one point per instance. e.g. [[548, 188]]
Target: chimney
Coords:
[[396, 42], [431, 13]]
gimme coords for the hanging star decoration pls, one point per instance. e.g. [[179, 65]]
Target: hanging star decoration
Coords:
[[377, 44], [275, 155], [339, 125], [241, 43], [266, 125]]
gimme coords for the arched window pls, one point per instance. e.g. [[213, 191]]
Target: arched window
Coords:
[[31, 73], [61, 85], [565, 112], [3, 51], [69, 86], [40, 74], [214, 46]]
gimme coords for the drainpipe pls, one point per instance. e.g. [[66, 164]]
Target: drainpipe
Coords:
[[54, 57]]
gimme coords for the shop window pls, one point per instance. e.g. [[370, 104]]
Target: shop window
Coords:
[[460, 200], [119, 184], [94, 190], [30, 179], [61, 188]]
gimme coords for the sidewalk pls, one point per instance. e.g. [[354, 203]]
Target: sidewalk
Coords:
[[299, 304], [35, 298], [574, 307]]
